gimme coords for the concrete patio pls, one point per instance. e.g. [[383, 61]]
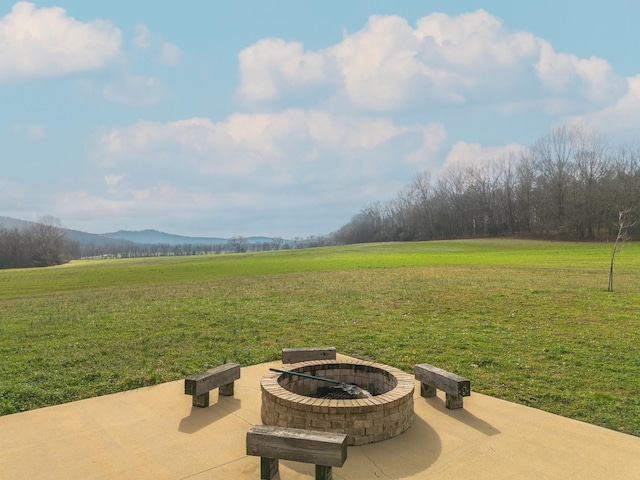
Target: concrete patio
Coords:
[[155, 433]]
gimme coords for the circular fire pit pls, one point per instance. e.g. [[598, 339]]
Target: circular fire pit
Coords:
[[291, 401]]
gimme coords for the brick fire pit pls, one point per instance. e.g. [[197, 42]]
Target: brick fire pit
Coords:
[[290, 401]]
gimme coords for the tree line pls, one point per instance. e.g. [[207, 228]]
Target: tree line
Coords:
[[46, 244], [236, 244], [43, 244], [136, 250], [571, 184]]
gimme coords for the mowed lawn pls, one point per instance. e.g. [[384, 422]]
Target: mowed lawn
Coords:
[[529, 322]]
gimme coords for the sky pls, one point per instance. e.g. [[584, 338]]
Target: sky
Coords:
[[286, 118]]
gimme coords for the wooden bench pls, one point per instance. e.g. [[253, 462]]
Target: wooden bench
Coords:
[[305, 354], [221, 377], [453, 385], [324, 449]]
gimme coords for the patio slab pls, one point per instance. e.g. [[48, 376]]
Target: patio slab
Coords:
[[155, 433]]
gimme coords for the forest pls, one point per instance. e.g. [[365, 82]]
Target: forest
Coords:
[[42, 244], [571, 184]]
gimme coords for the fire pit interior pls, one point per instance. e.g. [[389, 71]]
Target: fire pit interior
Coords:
[[299, 402]]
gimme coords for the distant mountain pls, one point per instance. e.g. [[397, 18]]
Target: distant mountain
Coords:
[[95, 239], [9, 223], [154, 237], [82, 238], [125, 237]]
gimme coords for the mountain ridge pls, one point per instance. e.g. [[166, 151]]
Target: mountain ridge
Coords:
[[141, 237]]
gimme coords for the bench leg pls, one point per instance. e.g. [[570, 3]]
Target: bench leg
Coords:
[[268, 468], [453, 402], [427, 390], [226, 390], [201, 401], [324, 472]]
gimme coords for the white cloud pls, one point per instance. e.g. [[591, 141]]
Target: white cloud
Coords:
[[143, 39], [276, 143], [388, 65], [592, 78], [620, 119], [45, 42], [170, 54], [32, 132], [23, 201], [112, 181], [134, 90], [146, 207], [434, 137], [141, 36], [249, 164], [271, 64], [465, 155], [36, 132], [378, 65], [10, 191]]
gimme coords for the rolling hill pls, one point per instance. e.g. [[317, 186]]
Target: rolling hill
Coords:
[[142, 237]]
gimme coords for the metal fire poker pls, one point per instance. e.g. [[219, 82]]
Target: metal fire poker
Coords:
[[351, 389], [297, 374]]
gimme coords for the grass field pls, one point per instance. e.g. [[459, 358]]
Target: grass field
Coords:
[[529, 322]]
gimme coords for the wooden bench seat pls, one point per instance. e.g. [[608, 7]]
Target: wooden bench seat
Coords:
[[221, 377], [306, 354], [271, 444], [453, 385]]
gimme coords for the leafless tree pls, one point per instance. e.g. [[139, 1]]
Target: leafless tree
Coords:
[[41, 245], [591, 158], [624, 224], [237, 244], [554, 154]]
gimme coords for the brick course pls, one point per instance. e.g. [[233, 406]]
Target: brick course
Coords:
[[286, 401]]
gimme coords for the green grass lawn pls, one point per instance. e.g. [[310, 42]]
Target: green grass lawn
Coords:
[[529, 322]]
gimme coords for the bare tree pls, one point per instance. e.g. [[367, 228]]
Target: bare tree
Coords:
[[40, 245], [276, 243], [624, 224], [421, 194], [237, 244], [591, 159], [526, 193], [454, 216], [49, 245], [554, 154]]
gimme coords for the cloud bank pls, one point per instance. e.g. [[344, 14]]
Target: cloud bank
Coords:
[[389, 65], [249, 164]]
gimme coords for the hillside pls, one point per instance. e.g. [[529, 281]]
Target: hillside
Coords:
[[152, 237], [126, 237]]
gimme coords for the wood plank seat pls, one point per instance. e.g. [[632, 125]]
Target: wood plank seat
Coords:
[[453, 385], [271, 444], [221, 377], [306, 354]]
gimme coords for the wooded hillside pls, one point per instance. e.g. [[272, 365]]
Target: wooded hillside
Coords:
[[571, 185]]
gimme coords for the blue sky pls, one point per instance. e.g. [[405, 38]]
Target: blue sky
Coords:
[[285, 118]]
